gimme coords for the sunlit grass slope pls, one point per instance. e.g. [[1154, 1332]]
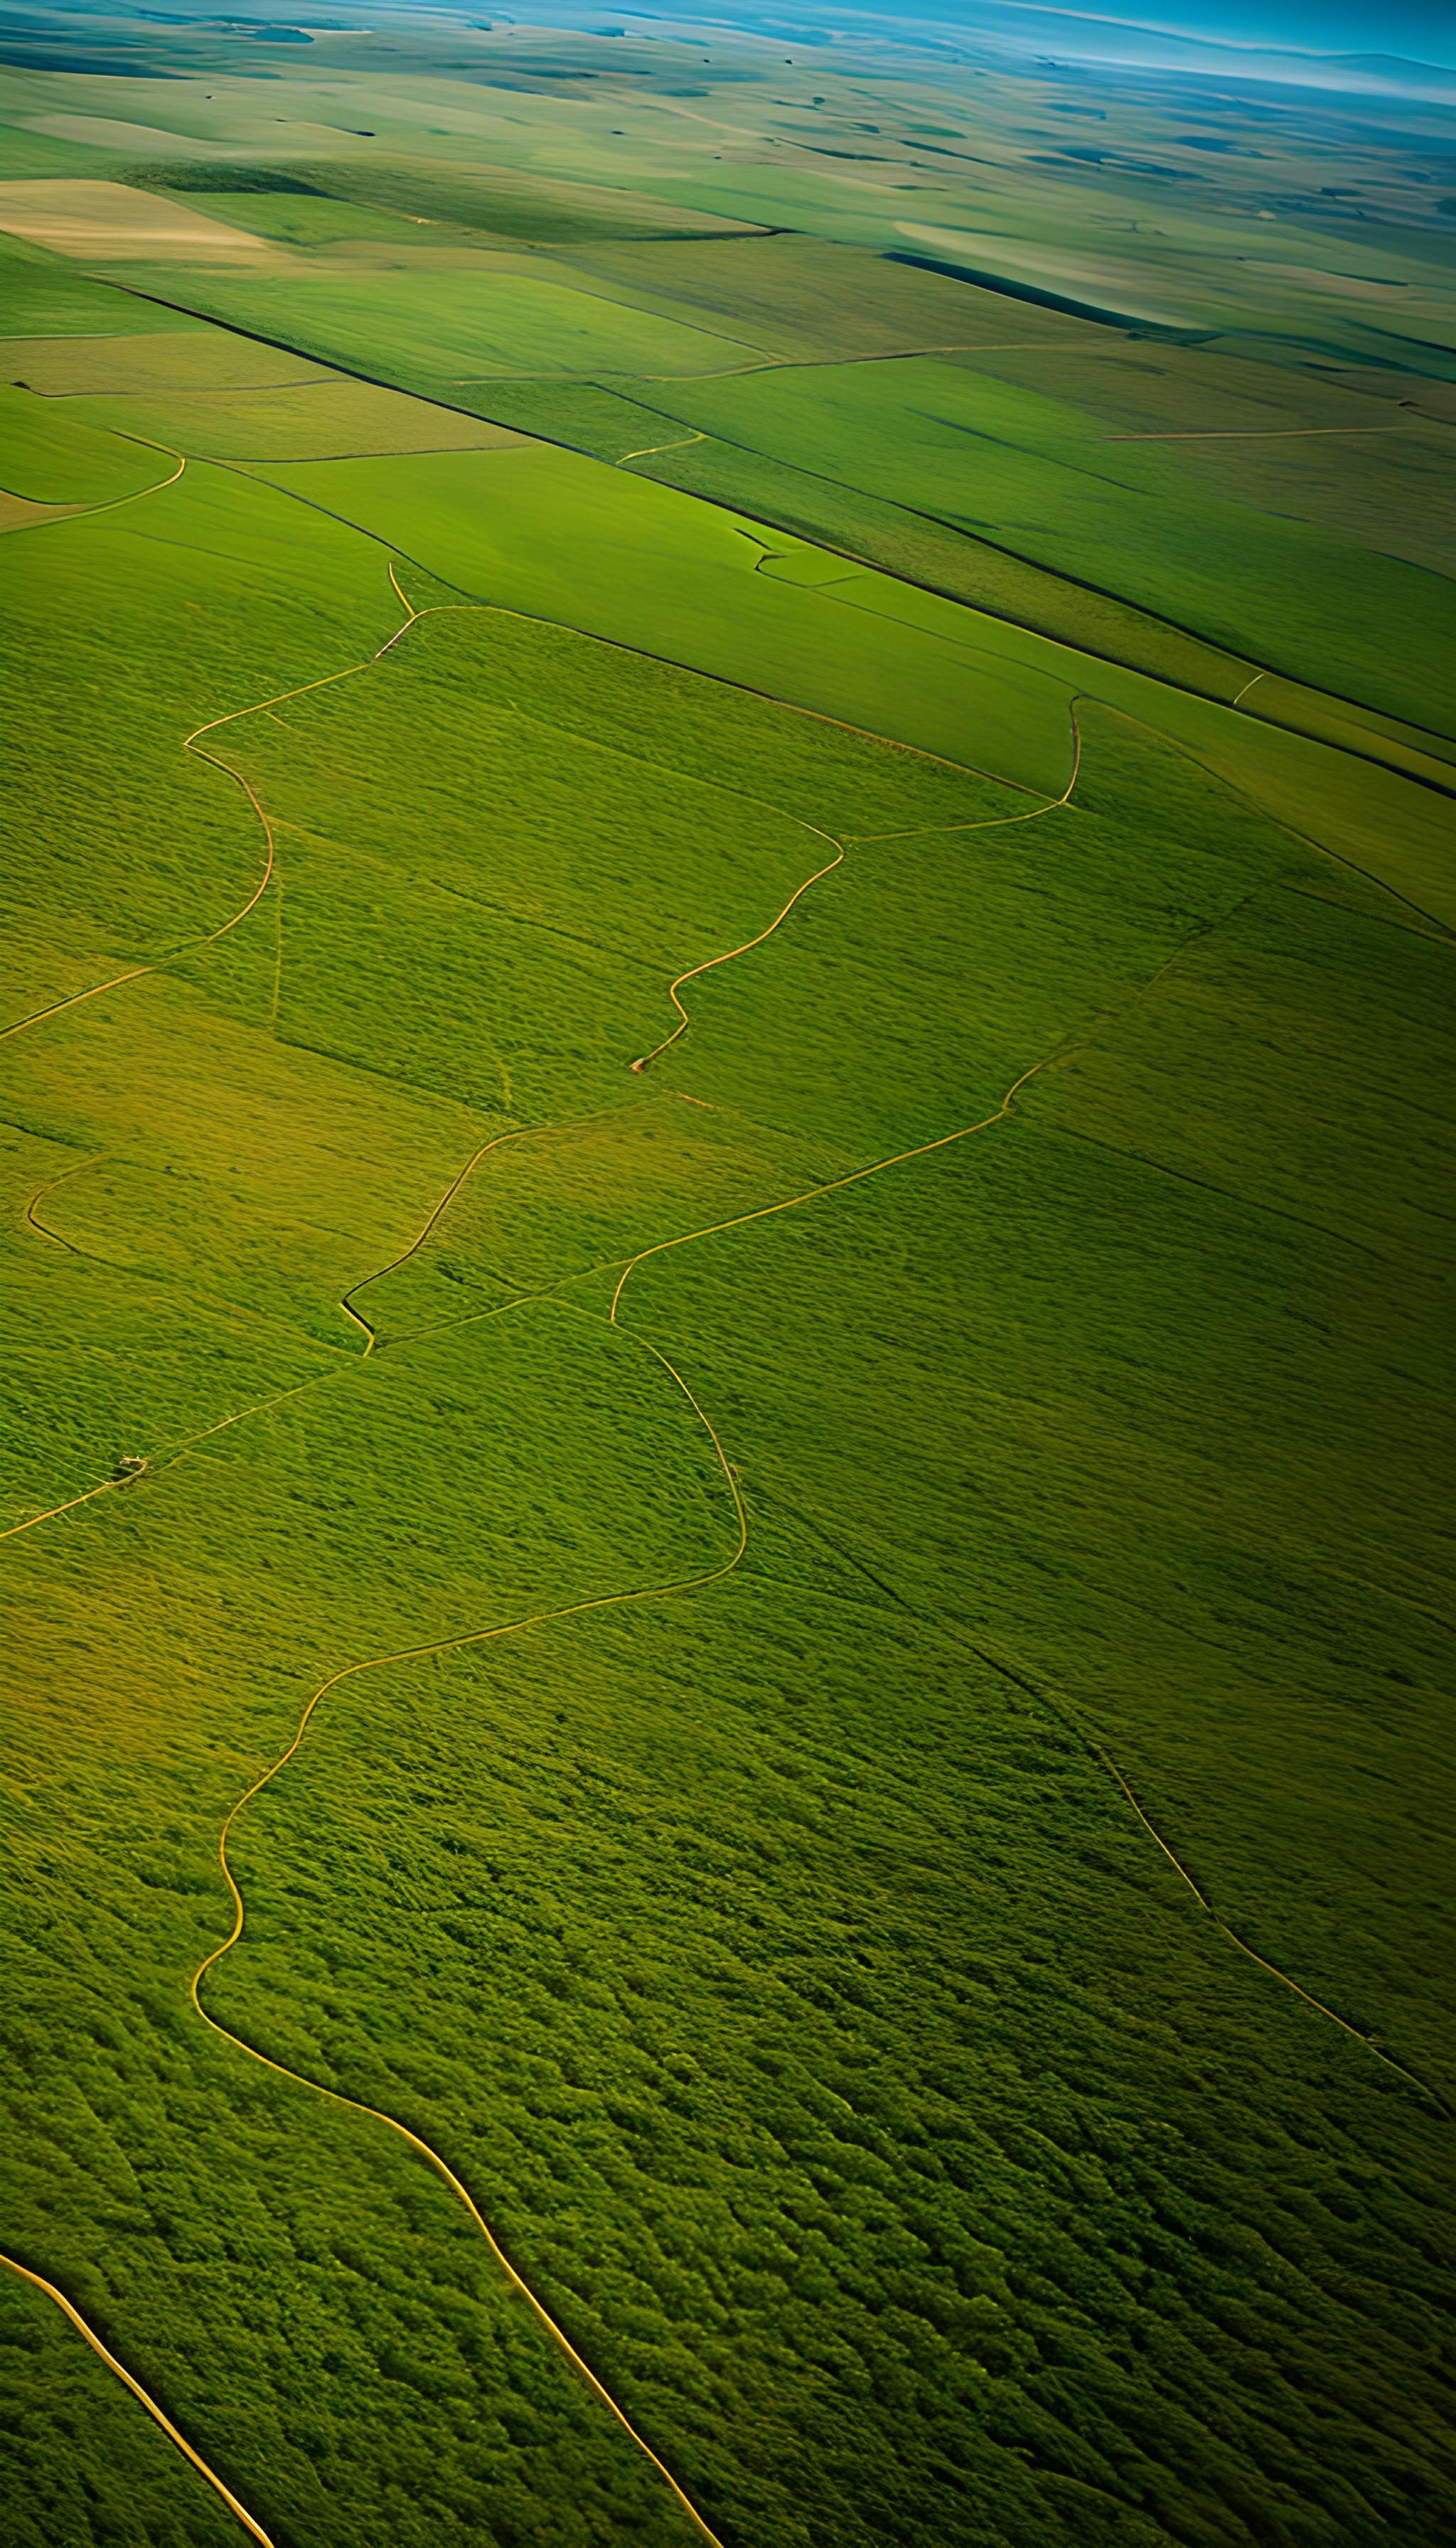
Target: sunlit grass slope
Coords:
[[991, 481], [780, 1965], [1030, 472], [541, 532], [910, 1888]]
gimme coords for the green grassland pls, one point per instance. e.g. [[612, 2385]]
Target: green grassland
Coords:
[[912, 1891], [961, 469], [320, 419], [1019, 466]]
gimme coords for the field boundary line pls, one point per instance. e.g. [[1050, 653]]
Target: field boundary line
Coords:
[[823, 362], [1097, 1751], [53, 2291], [710, 963], [692, 1583], [1060, 575], [317, 1380], [43, 1227], [670, 770], [190, 945], [721, 680], [194, 388], [1256, 433], [833, 1185], [497, 1141], [520, 1132], [1285, 822], [1234, 1940], [1066, 1717], [112, 504], [982, 609], [251, 470], [648, 449], [990, 823], [468, 1639], [192, 743]]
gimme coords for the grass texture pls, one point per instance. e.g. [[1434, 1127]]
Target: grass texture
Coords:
[[908, 1884]]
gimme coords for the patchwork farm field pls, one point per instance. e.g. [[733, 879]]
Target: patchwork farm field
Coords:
[[728, 1131]]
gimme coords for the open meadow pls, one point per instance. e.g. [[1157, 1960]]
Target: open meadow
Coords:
[[728, 1130]]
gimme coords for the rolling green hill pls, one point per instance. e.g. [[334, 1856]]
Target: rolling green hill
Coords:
[[727, 1032]]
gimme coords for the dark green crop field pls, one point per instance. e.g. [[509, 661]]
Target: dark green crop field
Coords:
[[728, 1129]]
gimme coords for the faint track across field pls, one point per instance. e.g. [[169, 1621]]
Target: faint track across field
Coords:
[[673, 1588], [187, 946], [698, 1582], [471, 1639], [109, 503], [53, 2292]]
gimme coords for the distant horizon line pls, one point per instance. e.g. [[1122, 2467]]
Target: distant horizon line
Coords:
[[977, 20]]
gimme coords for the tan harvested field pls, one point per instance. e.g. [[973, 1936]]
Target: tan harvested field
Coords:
[[200, 358], [89, 217], [322, 419], [18, 513]]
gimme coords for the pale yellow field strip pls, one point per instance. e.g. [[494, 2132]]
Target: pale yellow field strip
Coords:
[[846, 362], [86, 216], [322, 419], [178, 358], [116, 133], [19, 513]]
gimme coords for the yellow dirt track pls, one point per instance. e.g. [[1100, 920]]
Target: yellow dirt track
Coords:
[[712, 962], [834, 1185], [193, 743], [190, 945], [51, 2290], [49, 1186], [472, 1638], [418, 1654], [49, 513], [649, 448]]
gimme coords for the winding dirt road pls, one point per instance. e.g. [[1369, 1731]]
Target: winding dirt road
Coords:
[[471, 1638], [990, 823], [53, 2291], [711, 964], [193, 744], [649, 448], [676, 1587]]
